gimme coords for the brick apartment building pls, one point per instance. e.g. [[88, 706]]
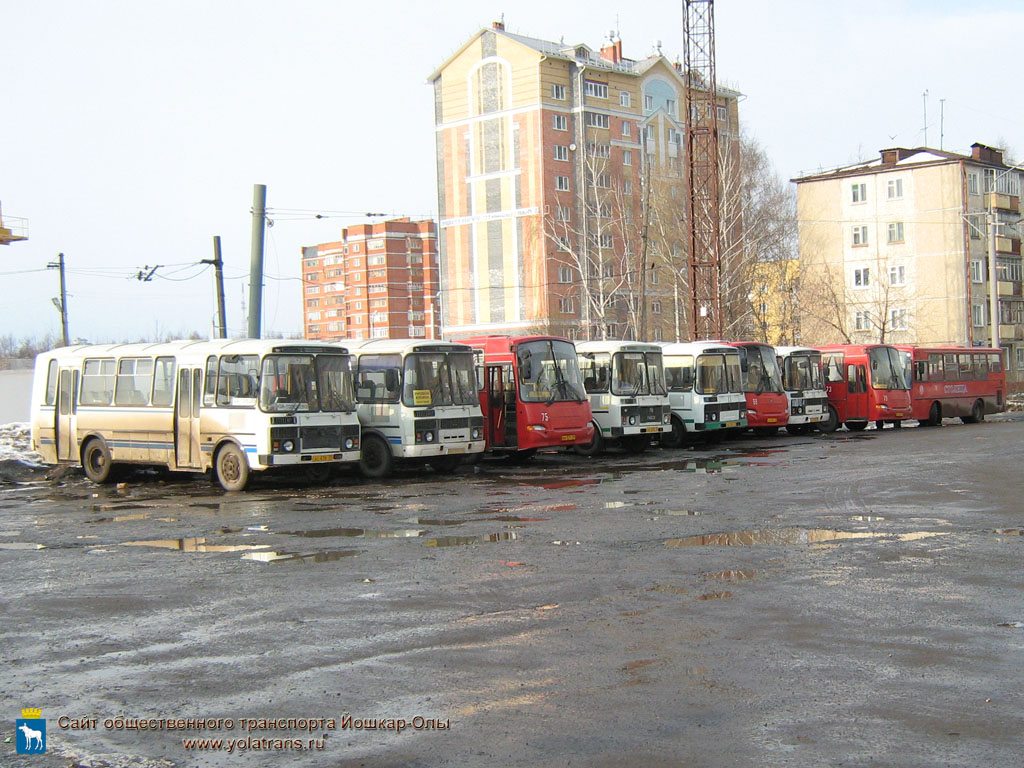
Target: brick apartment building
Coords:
[[561, 175], [380, 281]]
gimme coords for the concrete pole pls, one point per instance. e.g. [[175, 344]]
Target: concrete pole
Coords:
[[218, 267], [63, 301], [993, 279], [259, 217]]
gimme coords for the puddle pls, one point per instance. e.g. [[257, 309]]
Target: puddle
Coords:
[[10, 533], [714, 596], [198, 544], [678, 512], [867, 518], [516, 519], [631, 665], [20, 545], [1009, 531], [363, 533], [125, 518], [731, 576], [616, 504], [463, 541], [432, 522], [787, 536], [557, 485], [325, 556]]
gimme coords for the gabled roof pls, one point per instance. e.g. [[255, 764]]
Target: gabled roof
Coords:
[[900, 158]]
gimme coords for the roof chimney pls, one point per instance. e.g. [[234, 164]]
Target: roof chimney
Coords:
[[986, 154], [894, 155], [499, 24], [612, 51]]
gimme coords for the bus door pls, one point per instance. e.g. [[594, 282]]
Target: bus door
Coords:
[[186, 418], [501, 410], [67, 385], [856, 392]]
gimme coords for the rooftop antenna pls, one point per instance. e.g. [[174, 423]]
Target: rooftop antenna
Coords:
[[924, 97], [942, 123]]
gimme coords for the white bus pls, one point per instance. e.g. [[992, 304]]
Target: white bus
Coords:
[[705, 387], [626, 386], [231, 406], [417, 400], [804, 383]]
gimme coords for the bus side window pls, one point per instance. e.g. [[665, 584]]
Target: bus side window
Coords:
[[163, 381], [921, 370], [952, 371], [51, 383], [210, 390], [851, 377], [934, 367]]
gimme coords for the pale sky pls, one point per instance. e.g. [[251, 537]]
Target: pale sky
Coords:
[[132, 132]]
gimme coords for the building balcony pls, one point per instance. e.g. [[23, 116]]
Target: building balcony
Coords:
[[13, 229], [1006, 288], [1008, 245], [1000, 202]]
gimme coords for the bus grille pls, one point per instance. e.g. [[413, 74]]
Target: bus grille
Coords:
[[453, 423], [651, 415], [320, 437]]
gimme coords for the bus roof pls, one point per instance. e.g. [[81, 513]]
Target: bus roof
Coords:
[[197, 348], [697, 348], [617, 346], [787, 351], [405, 346]]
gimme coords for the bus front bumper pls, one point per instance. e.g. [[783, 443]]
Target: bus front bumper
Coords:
[[303, 459]]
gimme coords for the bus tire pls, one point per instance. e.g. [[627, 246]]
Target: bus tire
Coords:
[[523, 456], [96, 461], [798, 429], [934, 416], [636, 443], [446, 465], [594, 447], [375, 460], [319, 474], [856, 426], [676, 437], [977, 413], [766, 431], [831, 421], [231, 467]]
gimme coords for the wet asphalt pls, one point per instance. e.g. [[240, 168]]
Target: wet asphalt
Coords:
[[840, 600]]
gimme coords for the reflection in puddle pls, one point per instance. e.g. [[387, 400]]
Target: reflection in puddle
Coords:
[[867, 518], [715, 596], [428, 521], [356, 532], [462, 541], [731, 576], [786, 536], [615, 504], [678, 512], [193, 545], [20, 545], [556, 485], [307, 557], [1009, 531], [516, 519]]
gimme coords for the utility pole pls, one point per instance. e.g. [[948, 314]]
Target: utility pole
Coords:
[[259, 218], [62, 302], [218, 267], [993, 277]]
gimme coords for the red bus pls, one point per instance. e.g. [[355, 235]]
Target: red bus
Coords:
[[531, 393], [767, 403], [865, 383], [968, 382]]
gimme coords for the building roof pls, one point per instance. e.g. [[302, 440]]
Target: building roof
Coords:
[[901, 157]]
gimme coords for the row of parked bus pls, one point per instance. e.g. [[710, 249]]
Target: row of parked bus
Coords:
[[243, 406]]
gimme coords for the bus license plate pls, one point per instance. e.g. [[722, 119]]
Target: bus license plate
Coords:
[[771, 420], [323, 458], [731, 424], [568, 438]]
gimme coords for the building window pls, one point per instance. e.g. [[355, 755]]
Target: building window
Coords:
[[652, 278], [562, 183], [313, 302], [898, 319], [977, 271], [862, 321], [599, 150], [627, 157], [602, 181], [1008, 271], [560, 122], [648, 103], [655, 307], [312, 289], [595, 120], [862, 277], [860, 235], [558, 92], [894, 189], [565, 274], [355, 262], [566, 305], [564, 213], [859, 193], [978, 315], [376, 261], [605, 240], [898, 275], [670, 106], [625, 100], [625, 128], [595, 89], [355, 248], [561, 152], [723, 114], [561, 244], [895, 232], [972, 183]]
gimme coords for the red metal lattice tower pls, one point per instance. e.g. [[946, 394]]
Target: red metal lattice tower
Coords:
[[703, 218]]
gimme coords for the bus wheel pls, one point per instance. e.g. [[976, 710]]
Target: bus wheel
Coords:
[[445, 465], [523, 456], [96, 461], [375, 458], [934, 416], [856, 426], [232, 468], [636, 443], [831, 422], [594, 447], [676, 437], [766, 431], [798, 429], [319, 473], [977, 413]]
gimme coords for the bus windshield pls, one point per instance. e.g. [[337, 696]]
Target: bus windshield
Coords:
[[886, 368], [637, 373], [802, 372], [290, 383], [762, 370], [549, 372], [718, 374]]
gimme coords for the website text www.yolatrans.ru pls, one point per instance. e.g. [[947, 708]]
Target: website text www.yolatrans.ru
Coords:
[[252, 742]]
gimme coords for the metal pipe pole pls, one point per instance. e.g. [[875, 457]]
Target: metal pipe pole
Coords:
[[62, 303], [218, 267], [259, 217], [993, 279]]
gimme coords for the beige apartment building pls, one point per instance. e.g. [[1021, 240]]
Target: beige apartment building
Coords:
[[560, 188], [896, 250]]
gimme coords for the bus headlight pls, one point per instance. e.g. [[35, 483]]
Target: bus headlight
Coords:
[[350, 444], [428, 437], [666, 419], [288, 446], [632, 420], [712, 417], [476, 433]]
